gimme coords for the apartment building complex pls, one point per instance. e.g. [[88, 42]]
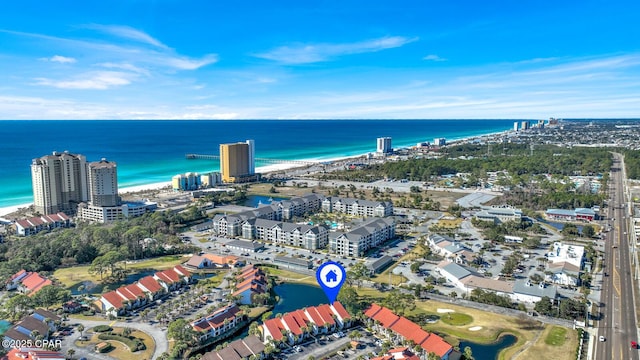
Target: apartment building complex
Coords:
[[364, 236], [59, 182]]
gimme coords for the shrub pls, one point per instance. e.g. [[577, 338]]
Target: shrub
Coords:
[[133, 343], [102, 328]]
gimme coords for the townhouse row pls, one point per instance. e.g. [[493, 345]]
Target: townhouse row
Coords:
[[144, 291], [40, 323], [250, 284], [398, 329], [296, 326]]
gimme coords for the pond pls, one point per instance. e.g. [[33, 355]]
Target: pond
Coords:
[[560, 225], [256, 200], [4, 326], [489, 351], [297, 296]]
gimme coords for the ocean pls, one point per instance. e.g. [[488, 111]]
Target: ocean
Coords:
[[151, 151]]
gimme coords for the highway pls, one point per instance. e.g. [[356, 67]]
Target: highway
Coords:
[[618, 324]]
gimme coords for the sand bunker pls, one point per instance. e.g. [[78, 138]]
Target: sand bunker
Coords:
[[475, 328], [440, 311]]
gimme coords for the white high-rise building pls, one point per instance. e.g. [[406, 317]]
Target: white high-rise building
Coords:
[[252, 156], [59, 182], [103, 183], [384, 145], [439, 141], [515, 126]]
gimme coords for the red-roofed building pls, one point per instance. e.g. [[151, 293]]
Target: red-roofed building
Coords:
[[34, 225], [33, 354], [298, 324], [372, 310], [15, 279], [435, 344], [32, 283], [113, 303], [251, 282], [400, 328], [409, 330], [151, 286], [272, 330], [343, 317], [220, 322], [172, 279], [313, 315]]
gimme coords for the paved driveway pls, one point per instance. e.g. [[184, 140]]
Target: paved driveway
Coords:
[[158, 336]]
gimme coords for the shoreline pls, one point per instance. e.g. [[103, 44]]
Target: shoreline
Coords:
[[267, 169]]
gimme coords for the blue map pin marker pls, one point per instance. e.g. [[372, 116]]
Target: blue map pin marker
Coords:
[[331, 276]]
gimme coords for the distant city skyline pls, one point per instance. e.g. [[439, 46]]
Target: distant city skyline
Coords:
[[322, 60]]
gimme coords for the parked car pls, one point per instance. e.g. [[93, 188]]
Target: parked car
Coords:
[[298, 348]]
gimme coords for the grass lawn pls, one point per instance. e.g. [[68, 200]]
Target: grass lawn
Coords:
[[556, 336], [72, 276], [203, 240], [120, 350], [292, 277], [456, 319], [256, 312]]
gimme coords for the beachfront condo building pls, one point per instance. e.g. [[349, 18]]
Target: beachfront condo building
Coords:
[[186, 182], [384, 145], [439, 141], [59, 182], [103, 183], [237, 162]]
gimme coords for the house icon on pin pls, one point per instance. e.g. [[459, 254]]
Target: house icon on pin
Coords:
[[331, 276]]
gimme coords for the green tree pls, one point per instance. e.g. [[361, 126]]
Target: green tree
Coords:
[[588, 231]]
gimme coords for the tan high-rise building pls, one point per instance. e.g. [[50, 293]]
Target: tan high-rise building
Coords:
[[59, 182], [234, 162], [103, 183]]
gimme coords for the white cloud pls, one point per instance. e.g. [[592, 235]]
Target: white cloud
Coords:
[[60, 59], [128, 33], [125, 66], [184, 63], [433, 57], [305, 54], [98, 80]]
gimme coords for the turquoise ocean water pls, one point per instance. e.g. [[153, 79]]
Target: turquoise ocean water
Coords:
[[153, 151]]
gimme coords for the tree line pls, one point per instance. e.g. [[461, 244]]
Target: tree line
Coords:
[[82, 244]]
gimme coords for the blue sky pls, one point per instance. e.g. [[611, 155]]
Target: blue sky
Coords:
[[165, 59]]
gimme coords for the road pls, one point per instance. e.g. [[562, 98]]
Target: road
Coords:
[[618, 325], [159, 337]]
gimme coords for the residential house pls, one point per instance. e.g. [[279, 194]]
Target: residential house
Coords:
[[250, 282], [27, 282], [220, 322], [36, 224], [172, 279], [242, 349], [26, 353]]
